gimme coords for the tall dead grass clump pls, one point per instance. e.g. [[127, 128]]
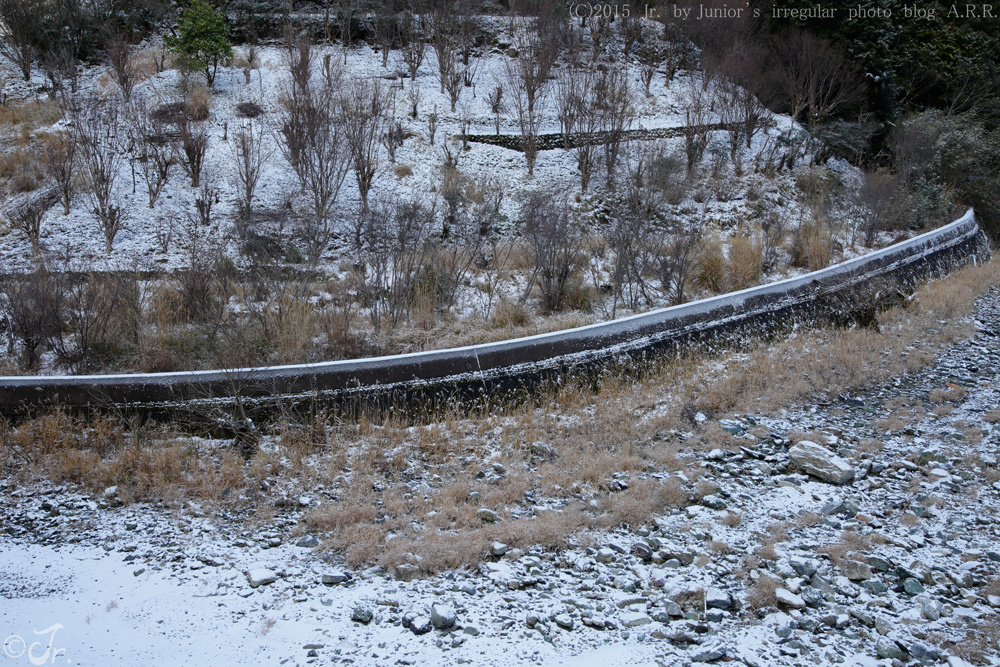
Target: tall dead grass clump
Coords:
[[746, 261]]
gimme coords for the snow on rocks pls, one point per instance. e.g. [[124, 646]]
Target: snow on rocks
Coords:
[[818, 461]]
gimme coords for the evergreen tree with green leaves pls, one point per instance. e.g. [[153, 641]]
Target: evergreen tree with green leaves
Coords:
[[202, 39]]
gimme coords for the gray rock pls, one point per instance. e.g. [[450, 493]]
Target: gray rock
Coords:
[[564, 621], [261, 577], [812, 596], [927, 655], [487, 516], [605, 555], [788, 599], [335, 577], [912, 587], [819, 462], [930, 609], [874, 586], [307, 542], [888, 649], [362, 614], [443, 615], [673, 609], [498, 549], [716, 598], [708, 653], [634, 619], [804, 567], [418, 624], [407, 572], [857, 571], [714, 502]]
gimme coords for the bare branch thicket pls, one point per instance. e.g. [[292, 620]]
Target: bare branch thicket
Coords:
[[27, 218], [251, 62], [879, 205], [526, 78], [60, 156], [413, 95], [299, 93], [393, 135], [650, 57], [193, 148], [397, 246], [567, 97], [443, 26], [205, 199], [325, 159], [363, 109], [496, 259], [97, 126], [599, 30], [555, 239], [631, 237], [412, 30], [346, 15], [614, 104], [588, 122], [33, 305], [495, 99], [815, 79], [432, 123], [151, 149], [121, 57], [677, 257], [249, 159], [386, 30], [773, 226], [467, 32], [22, 34], [727, 104], [631, 31], [696, 115]]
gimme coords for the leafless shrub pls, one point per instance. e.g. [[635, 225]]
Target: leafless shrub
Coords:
[[205, 200], [61, 163], [880, 204], [193, 147], [21, 38], [150, 149], [248, 159], [123, 67], [555, 239], [696, 106], [363, 117], [33, 304], [249, 110], [526, 78], [414, 47], [678, 253], [98, 128], [495, 99], [432, 124], [27, 218]]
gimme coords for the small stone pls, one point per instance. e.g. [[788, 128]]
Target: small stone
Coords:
[[487, 516], [498, 549], [605, 555], [930, 609], [805, 567], [716, 598], [819, 462], [888, 649], [418, 625], [912, 587], [673, 609], [857, 571], [261, 577], [307, 542], [443, 616], [336, 577], [788, 599], [564, 621], [111, 492], [708, 653], [874, 586], [362, 614], [634, 619], [407, 572], [714, 502]]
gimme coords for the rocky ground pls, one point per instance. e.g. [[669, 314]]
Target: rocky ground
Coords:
[[861, 532]]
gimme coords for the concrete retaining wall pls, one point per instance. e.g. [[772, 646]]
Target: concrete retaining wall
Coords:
[[512, 363]]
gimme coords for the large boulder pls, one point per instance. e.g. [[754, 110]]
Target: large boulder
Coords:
[[816, 460]]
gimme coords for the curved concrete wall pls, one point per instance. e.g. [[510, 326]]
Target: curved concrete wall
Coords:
[[519, 361]]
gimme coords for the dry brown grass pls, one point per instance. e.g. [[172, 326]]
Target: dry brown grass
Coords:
[[31, 114], [951, 393], [746, 260], [761, 595], [731, 519]]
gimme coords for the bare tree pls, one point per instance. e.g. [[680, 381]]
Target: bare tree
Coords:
[[364, 108], [122, 60], [495, 99], [568, 102], [526, 78], [323, 158], [60, 164], [193, 148], [248, 159], [614, 104], [879, 205], [293, 122], [414, 47], [587, 120], [98, 127], [27, 218], [33, 305], [555, 239], [650, 57], [677, 255], [386, 31], [21, 37], [815, 77], [696, 117], [150, 149]]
